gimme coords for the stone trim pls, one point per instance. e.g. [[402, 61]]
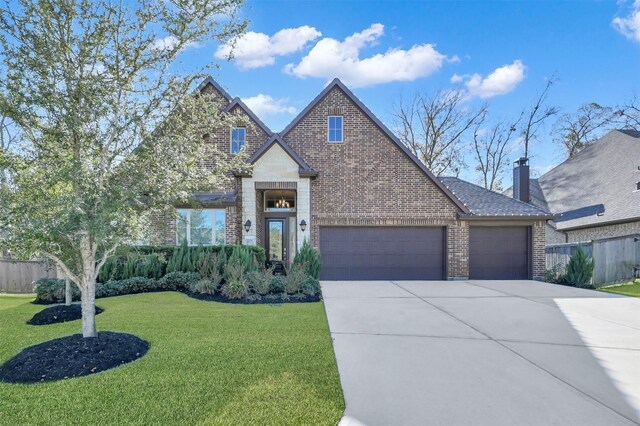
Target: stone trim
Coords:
[[276, 185]]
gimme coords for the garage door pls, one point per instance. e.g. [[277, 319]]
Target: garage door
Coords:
[[500, 253], [382, 253]]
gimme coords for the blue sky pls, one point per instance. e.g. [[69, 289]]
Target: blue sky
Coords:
[[595, 56]]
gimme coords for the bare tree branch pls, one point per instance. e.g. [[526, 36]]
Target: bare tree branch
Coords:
[[433, 128], [535, 116], [575, 131]]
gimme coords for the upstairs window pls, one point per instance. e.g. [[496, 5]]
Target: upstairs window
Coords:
[[238, 139], [200, 226], [335, 128]]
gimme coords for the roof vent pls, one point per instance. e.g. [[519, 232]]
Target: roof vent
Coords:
[[638, 186]]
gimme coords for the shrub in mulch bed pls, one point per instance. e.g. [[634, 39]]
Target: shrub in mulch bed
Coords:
[[256, 299], [59, 313], [72, 356]]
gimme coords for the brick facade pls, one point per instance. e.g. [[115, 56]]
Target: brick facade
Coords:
[[366, 180], [600, 232]]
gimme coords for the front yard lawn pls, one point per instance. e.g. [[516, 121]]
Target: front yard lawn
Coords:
[[208, 363], [628, 289]]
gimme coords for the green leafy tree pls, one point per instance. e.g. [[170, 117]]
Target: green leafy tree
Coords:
[[106, 128]]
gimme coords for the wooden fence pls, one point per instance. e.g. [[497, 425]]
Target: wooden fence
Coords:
[[615, 259], [17, 276]]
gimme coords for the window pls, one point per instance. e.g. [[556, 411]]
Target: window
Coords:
[[238, 138], [280, 201], [638, 186], [200, 226], [335, 128]]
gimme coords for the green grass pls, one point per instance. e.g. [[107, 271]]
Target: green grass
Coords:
[[209, 363], [628, 289]]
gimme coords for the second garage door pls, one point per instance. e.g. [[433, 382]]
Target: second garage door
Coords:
[[499, 253], [382, 253]]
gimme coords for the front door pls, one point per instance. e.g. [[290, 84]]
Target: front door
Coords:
[[277, 240]]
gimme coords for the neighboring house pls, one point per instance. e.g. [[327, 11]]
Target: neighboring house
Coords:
[[337, 176], [596, 192]]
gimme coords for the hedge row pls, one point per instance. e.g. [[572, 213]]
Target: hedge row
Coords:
[[156, 261], [51, 290], [255, 286]]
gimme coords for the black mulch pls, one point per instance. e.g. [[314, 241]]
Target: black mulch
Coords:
[[265, 300], [59, 313], [72, 356]]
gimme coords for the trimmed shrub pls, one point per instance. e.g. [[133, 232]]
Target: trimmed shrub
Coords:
[[126, 286], [309, 258], [259, 281], [277, 284], [579, 269], [51, 290], [178, 280], [310, 286]]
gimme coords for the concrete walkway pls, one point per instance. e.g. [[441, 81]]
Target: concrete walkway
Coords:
[[484, 353]]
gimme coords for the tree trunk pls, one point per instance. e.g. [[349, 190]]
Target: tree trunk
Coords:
[[67, 291], [88, 287], [89, 310]]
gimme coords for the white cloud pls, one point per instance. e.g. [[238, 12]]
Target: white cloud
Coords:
[[630, 25], [255, 50], [499, 82], [168, 43], [332, 58], [266, 106]]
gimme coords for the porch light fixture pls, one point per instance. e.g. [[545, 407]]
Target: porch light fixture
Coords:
[[303, 225], [247, 225]]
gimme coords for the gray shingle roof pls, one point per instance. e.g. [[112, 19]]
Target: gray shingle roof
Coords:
[[482, 202], [597, 185]]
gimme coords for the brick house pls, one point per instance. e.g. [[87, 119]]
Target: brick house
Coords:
[[339, 177], [595, 193]]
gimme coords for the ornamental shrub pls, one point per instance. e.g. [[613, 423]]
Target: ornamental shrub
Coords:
[[51, 290], [579, 269], [277, 284], [296, 276], [309, 258], [178, 280], [259, 281], [235, 286]]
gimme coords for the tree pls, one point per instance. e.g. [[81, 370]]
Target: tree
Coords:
[[109, 131], [535, 116], [433, 128], [575, 131], [491, 146], [629, 114]]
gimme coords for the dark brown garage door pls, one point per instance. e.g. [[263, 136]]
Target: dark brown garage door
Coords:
[[499, 253], [382, 253]]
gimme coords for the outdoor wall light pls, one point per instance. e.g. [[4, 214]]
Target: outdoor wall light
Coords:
[[247, 225], [303, 225]]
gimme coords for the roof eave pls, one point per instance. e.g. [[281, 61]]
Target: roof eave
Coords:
[[472, 217], [238, 102]]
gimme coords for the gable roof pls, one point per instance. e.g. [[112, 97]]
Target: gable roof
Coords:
[[211, 81], [482, 202], [337, 83], [305, 169], [596, 186], [238, 102]]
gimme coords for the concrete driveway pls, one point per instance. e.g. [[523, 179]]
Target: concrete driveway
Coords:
[[484, 353]]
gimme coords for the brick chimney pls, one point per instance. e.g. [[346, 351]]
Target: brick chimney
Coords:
[[521, 180]]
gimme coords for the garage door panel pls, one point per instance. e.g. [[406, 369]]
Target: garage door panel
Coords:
[[499, 252], [370, 253]]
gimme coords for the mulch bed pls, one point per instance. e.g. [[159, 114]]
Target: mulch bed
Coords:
[[72, 356], [59, 313], [264, 300]]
